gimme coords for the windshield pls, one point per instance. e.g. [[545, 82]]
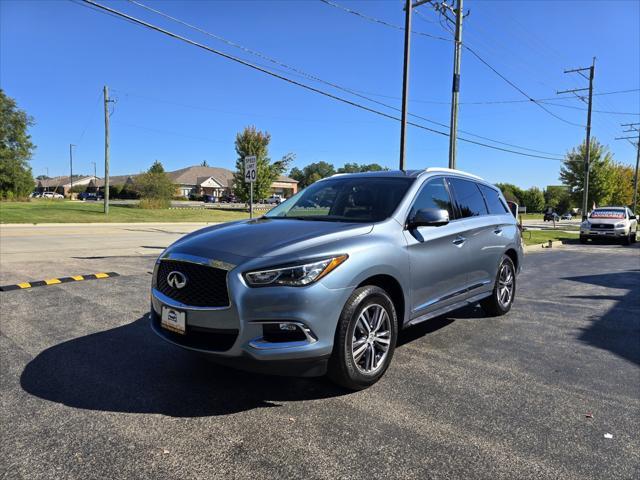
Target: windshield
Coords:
[[607, 213], [349, 199]]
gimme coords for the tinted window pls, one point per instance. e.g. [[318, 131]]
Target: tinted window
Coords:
[[348, 199], [494, 202], [433, 195], [468, 197]]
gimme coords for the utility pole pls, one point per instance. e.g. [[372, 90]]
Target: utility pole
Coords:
[[447, 11], [405, 81], [405, 76], [455, 89], [95, 179], [634, 127], [106, 149], [591, 69], [71, 145]]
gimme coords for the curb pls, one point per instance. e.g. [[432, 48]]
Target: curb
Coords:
[[551, 244]]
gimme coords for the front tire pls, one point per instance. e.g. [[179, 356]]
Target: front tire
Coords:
[[365, 339], [583, 239], [504, 289], [627, 239]]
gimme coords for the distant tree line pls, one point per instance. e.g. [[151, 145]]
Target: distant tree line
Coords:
[[610, 183], [318, 170]]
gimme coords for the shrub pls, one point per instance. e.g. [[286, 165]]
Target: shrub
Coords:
[[154, 203]]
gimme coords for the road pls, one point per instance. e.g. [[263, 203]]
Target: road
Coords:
[[20, 244], [88, 391]]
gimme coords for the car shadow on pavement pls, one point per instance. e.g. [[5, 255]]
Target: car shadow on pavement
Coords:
[[129, 369], [618, 329]]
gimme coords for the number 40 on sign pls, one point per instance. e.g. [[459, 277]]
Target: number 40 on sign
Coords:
[[250, 172]]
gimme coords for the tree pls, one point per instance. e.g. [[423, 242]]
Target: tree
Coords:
[[43, 177], [511, 192], [154, 187], [204, 164], [601, 174], [533, 199], [558, 198], [252, 142], [356, 168], [622, 191], [156, 167], [312, 173], [16, 149]]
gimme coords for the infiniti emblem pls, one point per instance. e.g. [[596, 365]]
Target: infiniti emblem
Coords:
[[176, 279]]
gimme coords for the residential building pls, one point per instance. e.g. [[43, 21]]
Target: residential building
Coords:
[[62, 184], [199, 180]]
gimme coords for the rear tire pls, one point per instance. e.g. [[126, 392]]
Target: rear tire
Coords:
[[365, 339], [504, 289]]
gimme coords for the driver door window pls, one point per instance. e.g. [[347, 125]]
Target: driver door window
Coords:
[[433, 195]]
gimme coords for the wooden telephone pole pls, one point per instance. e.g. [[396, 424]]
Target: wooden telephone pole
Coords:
[[591, 69]]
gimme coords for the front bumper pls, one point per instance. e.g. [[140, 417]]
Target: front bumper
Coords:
[[604, 233], [233, 335]]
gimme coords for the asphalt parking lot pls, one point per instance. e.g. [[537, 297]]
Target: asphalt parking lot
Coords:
[[88, 391]]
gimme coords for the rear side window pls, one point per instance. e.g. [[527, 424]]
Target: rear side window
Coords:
[[434, 194], [468, 198], [494, 202]]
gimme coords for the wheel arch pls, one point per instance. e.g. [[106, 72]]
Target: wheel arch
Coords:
[[392, 286], [513, 255]]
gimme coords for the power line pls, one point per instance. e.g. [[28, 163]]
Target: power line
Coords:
[[584, 109], [291, 81], [331, 84], [382, 22], [473, 52], [86, 125]]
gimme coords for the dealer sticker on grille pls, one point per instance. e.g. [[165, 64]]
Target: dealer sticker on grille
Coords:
[[173, 320]]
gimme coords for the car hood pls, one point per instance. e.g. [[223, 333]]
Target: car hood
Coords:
[[264, 237], [606, 221]]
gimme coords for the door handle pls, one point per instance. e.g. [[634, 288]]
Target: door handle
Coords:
[[497, 230], [459, 240]]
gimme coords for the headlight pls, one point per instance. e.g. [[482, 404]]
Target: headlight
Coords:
[[585, 224], [619, 225], [295, 275]]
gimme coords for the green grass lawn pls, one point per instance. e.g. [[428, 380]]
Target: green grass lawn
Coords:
[[63, 211], [536, 237], [532, 216]]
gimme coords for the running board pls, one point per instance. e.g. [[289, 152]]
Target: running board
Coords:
[[447, 309]]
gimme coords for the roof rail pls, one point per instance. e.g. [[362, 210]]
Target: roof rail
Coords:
[[452, 170]]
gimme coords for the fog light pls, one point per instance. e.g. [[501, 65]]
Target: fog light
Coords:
[[282, 332]]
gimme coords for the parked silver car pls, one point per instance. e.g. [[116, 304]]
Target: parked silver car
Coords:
[[323, 282]]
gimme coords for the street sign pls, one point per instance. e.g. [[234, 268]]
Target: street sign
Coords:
[[250, 170], [250, 175]]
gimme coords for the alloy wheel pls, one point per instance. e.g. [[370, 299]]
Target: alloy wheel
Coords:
[[505, 285], [371, 339]]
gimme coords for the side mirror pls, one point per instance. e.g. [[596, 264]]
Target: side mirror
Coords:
[[513, 207], [429, 217]]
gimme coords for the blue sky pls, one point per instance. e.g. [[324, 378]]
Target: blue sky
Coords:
[[181, 105]]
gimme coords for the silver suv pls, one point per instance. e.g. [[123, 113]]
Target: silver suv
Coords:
[[324, 282]]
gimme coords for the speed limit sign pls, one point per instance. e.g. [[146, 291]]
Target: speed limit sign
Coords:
[[250, 172]]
